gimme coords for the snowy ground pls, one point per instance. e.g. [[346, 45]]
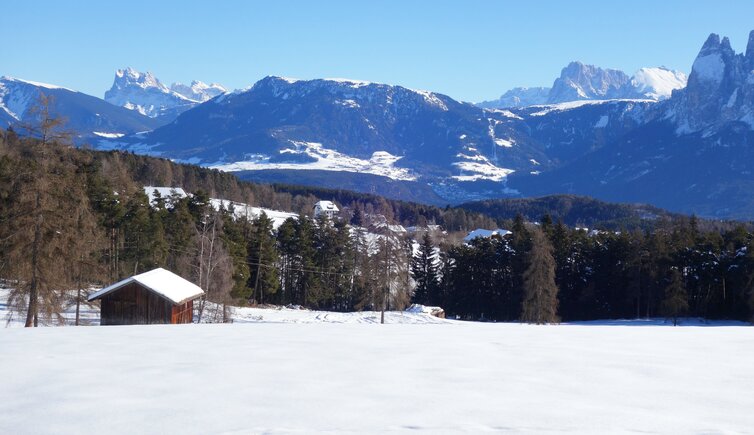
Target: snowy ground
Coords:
[[367, 378], [298, 371], [88, 314], [286, 315]]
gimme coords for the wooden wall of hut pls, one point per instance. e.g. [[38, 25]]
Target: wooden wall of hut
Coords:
[[135, 305], [183, 313]]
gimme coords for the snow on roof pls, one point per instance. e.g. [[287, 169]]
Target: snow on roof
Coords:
[[163, 282], [326, 205], [485, 233]]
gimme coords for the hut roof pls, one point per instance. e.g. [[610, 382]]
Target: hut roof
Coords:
[[326, 206], [163, 282]]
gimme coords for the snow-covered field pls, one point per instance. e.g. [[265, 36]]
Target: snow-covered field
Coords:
[[369, 378], [299, 371]]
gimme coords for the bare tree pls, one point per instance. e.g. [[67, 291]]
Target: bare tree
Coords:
[[392, 262], [540, 304], [47, 197], [43, 123], [214, 266]]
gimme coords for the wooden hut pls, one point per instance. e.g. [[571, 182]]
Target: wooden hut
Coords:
[[157, 296]]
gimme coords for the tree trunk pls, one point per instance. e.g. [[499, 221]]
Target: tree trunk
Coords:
[[31, 313], [78, 303], [259, 270]]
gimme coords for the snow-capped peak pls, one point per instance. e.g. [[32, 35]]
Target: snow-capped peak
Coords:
[[658, 83], [17, 95], [198, 91], [719, 89], [146, 94], [579, 81], [130, 77]]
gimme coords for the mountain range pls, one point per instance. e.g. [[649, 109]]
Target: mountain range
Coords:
[[578, 81], [646, 138]]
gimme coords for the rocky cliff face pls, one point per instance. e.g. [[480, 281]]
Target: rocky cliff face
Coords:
[[580, 82], [587, 82], [720, 89], [691, 153]]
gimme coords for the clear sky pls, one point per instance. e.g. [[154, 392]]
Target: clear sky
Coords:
[[468, 49]]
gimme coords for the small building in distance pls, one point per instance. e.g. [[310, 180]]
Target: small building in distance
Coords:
[[154, 297], [424, 309], [327, 208]]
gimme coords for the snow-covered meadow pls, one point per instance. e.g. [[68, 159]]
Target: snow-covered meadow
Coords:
[[282, 374]]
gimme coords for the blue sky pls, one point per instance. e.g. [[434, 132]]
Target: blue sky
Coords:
[[471, 50]]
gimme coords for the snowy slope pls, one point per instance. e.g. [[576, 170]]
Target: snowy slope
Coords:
[[316, 157], [658, 83], [86, 115], [367, 378], [242, 210]]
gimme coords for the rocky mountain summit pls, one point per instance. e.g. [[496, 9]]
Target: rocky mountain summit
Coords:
[[146, 94], [579, 82]]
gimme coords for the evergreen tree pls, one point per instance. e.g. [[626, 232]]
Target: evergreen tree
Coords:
[[308, 280], [675, 302], [289, 262], [357, 219], [181, 233], [110, 211], [138, 231], [424, 272], [321, 292], [235, 243], [540, 304], [263, 259]]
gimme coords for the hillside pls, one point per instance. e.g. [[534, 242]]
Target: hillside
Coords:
[[89, 117], [574, 211], [55, 199]]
